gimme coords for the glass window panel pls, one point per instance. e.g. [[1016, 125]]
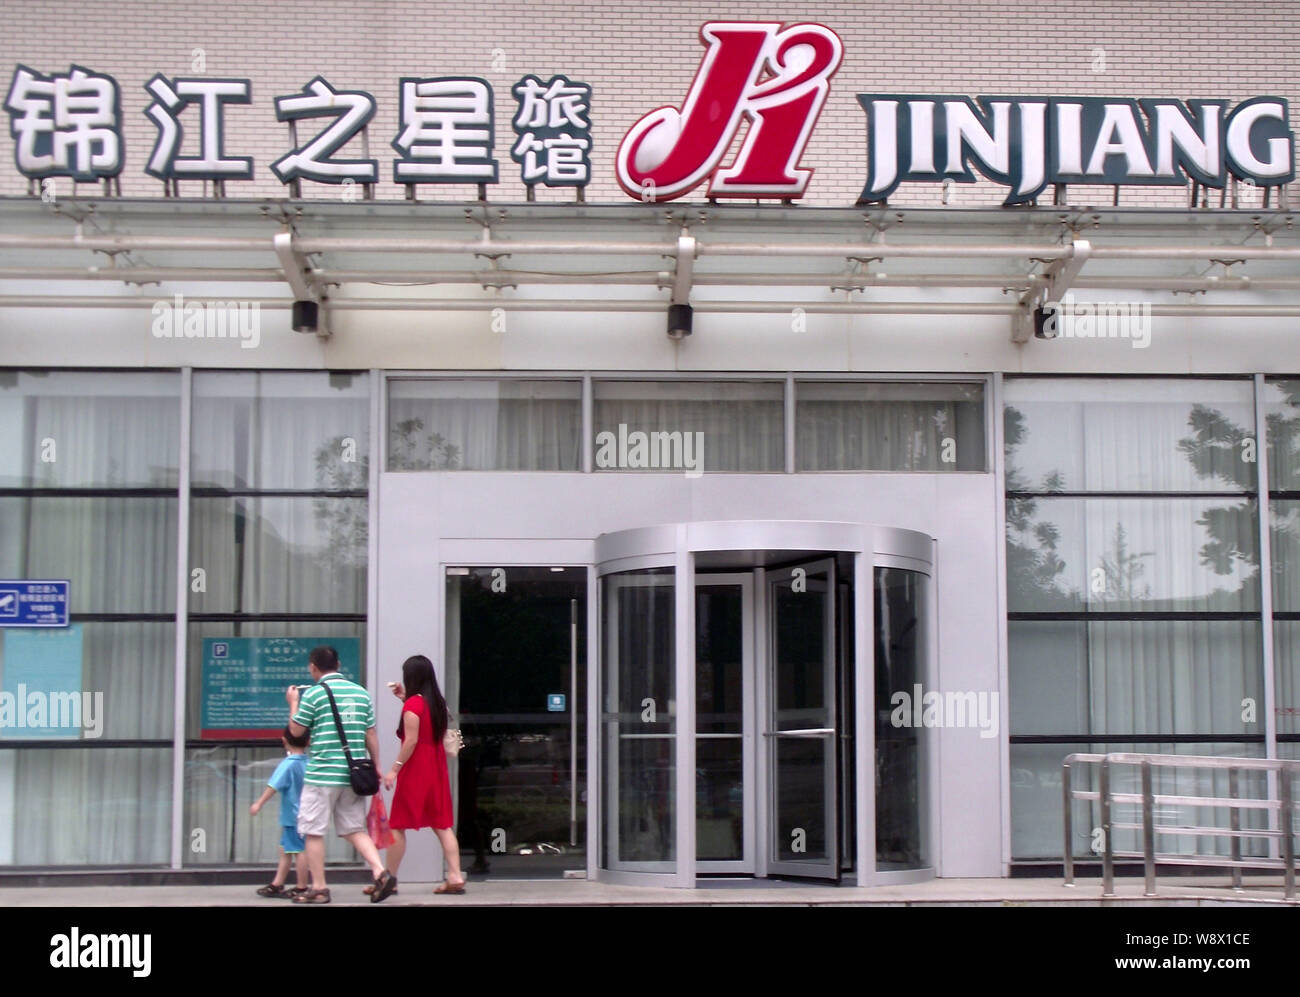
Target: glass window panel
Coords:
[[328, 631], [281, 430], [1091, 434], [1282, 416], [889, 426], [1172, 677], [91, 429], [1038, 830], [221, 783], [118, 553], [126, 667], [85, 806], [279, 555], [1286, 664], [690, 425], [473, 424], [1285, 528], [1131, 555]]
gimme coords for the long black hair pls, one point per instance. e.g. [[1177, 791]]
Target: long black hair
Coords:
[[418, 679]]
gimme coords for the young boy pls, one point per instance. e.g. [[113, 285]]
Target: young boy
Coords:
[[287, 781]]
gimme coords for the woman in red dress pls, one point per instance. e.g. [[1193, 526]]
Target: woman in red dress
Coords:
[[423, 795]]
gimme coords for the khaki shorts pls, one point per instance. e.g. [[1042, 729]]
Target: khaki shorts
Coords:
[[318, 802]]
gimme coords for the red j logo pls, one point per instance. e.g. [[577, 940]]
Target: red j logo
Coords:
[[752, 70]]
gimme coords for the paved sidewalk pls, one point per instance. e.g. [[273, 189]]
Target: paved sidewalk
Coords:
[[543, 893]]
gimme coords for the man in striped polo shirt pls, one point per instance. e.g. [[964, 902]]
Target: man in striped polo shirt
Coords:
[[327, 787]]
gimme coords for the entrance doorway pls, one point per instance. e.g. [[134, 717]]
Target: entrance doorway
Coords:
[[742, 698], [516, 686], [772, 738]]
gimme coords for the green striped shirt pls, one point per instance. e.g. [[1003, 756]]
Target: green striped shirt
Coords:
[[326, 763]]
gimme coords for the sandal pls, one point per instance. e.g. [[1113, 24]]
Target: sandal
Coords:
[[297, 891], [368, 890], [447, 888], [313, 897], [272, 890], [383, 888]]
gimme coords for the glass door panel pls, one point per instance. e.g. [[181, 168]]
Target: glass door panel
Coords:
[[801, 734], [723, 662], [638, 721]]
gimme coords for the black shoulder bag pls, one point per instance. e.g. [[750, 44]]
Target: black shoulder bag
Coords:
[[362, 771]]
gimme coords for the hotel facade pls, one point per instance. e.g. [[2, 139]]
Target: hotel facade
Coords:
[[790, 430]]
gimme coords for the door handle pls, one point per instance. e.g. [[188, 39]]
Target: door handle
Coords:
[[802, 732]]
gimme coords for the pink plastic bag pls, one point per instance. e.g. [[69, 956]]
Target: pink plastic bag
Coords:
[[377, 823]]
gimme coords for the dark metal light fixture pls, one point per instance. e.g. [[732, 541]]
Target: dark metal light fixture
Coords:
[[305, 316], [679, 321]]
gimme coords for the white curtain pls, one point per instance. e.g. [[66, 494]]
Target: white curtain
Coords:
[[843, 426], [89, 805], [485, 425], [737, 433]]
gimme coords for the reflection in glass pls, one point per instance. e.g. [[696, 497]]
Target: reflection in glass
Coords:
[[1126, 555], [889, 426], [304, 430], [278, 555], [1282, 417], [1285, 530], [638, 725], [1128, 435], [481, 424]]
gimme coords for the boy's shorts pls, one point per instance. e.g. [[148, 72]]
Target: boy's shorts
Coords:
[[319, 803], [291, 841]]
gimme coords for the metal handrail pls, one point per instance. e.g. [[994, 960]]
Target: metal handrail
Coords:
[[1281, 773]]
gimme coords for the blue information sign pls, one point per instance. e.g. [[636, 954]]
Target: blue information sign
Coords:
[[244, 679], [34, 603], [555, 702]]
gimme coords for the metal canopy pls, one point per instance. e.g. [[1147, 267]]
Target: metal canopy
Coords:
[[641, 257]]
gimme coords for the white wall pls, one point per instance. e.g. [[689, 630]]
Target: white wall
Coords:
[[423, 516]]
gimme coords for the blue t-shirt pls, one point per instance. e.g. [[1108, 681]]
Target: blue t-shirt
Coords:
[[287, 781]]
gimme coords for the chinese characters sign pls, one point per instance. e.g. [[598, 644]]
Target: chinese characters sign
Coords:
[[741, 130], [70, 125], [25, 603], [244, 680]]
